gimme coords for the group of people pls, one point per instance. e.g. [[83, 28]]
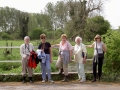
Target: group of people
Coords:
[[66, 51]]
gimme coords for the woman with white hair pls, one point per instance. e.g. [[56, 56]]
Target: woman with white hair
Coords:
[[25, 50], [79, 49]]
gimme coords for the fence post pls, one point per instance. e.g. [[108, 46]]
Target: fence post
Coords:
[[11, 49]]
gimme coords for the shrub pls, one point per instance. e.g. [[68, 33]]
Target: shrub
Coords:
[[112, 56]]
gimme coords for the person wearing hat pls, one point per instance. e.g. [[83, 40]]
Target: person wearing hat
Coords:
[[99, 50]]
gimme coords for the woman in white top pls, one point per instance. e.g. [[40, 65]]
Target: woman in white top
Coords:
[[79, 59], [99, 50]]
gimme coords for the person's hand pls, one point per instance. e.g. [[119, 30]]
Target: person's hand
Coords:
[[83, 61], [70, 59], [50, 60], [42, 50], [52, 46], [27, 56]]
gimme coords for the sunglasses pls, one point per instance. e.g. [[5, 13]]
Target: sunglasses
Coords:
[[97, 38], [42, 38]]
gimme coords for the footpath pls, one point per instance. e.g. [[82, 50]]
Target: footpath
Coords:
[[58, 85]]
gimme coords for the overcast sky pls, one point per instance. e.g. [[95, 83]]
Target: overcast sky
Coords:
[[111, 8]]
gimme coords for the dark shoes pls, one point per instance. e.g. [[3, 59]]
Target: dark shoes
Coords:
[[30, 80], [61, 71], [24, 80], [94, 80], [65, 79], [99, 79]]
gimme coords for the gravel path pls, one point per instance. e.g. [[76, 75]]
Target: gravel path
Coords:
[[72, 85]]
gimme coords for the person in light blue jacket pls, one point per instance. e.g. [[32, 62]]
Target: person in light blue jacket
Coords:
[[41, 55]]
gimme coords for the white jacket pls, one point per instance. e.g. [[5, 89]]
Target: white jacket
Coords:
[[24, 50], [78, 49]]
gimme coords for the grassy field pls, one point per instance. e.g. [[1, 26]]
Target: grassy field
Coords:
[[15, 53]]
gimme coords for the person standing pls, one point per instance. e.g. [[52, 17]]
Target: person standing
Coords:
[[46, 48], [99, 50], [25, 50], [65, 53], [80, 48]]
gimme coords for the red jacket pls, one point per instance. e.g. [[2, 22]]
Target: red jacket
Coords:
[[32, 60]]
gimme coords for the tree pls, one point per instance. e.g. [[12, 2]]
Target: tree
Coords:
[[58, 14], [44, 21], [33, 23], [23, 23], [96, 25], [79, 12], [50, 11]]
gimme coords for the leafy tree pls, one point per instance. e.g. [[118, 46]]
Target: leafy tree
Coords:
[[50, 11], [23, 23], [44, 21], [58, 14], [33, 23], [79, 12], [96, 25]]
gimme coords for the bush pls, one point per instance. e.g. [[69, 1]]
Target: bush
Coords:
[[5, 36], [9, 66], [35, 34], [55, 52], [112, 56]]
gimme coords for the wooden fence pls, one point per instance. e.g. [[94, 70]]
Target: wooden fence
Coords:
[[72, 66]]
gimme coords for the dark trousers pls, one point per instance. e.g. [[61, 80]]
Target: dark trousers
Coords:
[[97, 65]]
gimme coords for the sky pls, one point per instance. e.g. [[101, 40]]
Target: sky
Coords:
[[111, 8]]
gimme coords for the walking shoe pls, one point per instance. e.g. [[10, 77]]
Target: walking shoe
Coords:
[[65, 79], [43, 81], [94, 80], [30, 80], [60, 71], [51, 81], [81, 81], [99, 78], [24, 80], [78, 79]]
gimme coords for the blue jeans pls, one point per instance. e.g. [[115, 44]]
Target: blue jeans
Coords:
[[46, 67]]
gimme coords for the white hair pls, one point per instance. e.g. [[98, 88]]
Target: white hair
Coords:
[[78, 38], [26, 37]]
